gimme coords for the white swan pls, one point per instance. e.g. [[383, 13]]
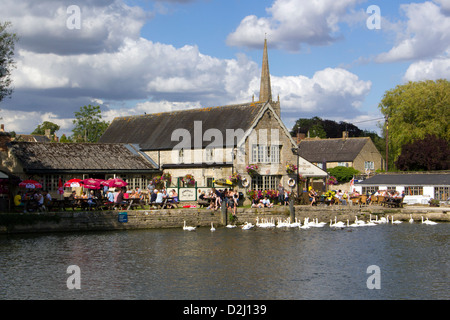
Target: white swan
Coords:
[[428, 222], [212, 227], [305, 224], [247, 226], [411, 220], [371, 222], [188, 228], [395, 221], [230, 226]]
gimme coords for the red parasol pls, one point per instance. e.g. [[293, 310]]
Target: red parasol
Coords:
[[91, 183], [30, 184], [73, 183], [116, 183], [60, 187]]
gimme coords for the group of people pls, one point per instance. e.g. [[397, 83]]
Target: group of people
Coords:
[[215, 199], [36, 200], [157, 196]]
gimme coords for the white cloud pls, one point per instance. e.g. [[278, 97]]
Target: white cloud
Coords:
[[429, 70], [425, 34], [293, 22]]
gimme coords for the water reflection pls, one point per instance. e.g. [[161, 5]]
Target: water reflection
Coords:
[[320, 263]]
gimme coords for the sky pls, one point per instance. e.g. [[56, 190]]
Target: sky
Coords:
[[333, 59]]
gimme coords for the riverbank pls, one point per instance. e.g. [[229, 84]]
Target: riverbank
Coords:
[[76, 221]]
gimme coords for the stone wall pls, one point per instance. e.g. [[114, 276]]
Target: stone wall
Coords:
[[153, 219]]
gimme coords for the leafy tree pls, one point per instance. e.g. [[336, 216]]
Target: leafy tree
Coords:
[[88, 124], [7, 43], [65, 139], [44, 126], [430, 153], [343, 174], [415, 110]]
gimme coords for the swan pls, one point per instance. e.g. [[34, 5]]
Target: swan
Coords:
[[411, 220], [212, 227], [371, 222], [395, 221], [247, 226], [318, 224], [428, 222], [294, 224], [305, 224], [231, 226], [188, 228]]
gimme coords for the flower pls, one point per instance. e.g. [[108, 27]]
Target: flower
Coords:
[[188, 179], [166, 177], [291, 168], [252, 170], [235, 178], [331, 180]]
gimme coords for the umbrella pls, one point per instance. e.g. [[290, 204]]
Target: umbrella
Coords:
[[223, 182], [91, 183], [73, 183], [116, 183], [30, 184], [60, 187]]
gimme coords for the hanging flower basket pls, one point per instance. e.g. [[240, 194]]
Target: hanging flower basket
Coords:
[[332, 180], [189, 180], [252, 170], [235, 178], [291, 168], [166, 177]]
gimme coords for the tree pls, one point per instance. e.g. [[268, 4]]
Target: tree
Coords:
[[430, 153], [7, 43], [343, 174], [88, 124], [415, 110], [44, 126]]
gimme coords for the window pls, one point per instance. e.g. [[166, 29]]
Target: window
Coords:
[[441, 193], [265, 182], [413, 191], [369, 190], [369, 165], [265, 154], [209, 182], [342, 164]]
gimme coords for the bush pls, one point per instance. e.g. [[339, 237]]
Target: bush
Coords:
[[343, 174]]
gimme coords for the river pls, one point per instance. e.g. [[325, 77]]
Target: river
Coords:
[[411, 262]]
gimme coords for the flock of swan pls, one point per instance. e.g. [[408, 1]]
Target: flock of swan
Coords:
[[314, 223]]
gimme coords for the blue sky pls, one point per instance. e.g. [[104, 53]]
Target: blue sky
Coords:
[[136, 56]]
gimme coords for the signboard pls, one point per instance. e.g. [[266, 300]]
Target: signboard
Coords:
[[123, 217], [187, 194], [307, 169]]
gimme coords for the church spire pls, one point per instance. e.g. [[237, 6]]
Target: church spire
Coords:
[[265, 92]]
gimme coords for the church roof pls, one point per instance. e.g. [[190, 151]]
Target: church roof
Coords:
[[154, 131], [331, 150]]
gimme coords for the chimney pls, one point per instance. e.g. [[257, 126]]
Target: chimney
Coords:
[[2, 128], [344, 134], [300, 137], [47, 133], [5, 138]]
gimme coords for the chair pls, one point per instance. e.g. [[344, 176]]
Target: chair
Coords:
[[362, 200]]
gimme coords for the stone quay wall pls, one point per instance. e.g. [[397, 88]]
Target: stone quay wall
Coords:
[[79, 221]]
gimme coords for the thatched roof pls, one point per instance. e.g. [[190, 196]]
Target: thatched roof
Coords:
[[38, 157], [154, 131], [331, 150]]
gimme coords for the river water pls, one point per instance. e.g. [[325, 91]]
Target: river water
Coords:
[[231, 264]]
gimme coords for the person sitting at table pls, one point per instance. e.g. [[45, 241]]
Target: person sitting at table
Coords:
[[255, 203], [109, 196], [39, 198], [153, 195], [91, 200], [174, 197], [120, 201], [159, 196]]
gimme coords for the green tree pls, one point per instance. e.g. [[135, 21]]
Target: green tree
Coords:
[[415, 110], [65, 139], [88, 124], [7, 43], [44, 126], [343, 174]]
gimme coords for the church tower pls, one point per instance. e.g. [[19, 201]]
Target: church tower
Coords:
[[265, 91]]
